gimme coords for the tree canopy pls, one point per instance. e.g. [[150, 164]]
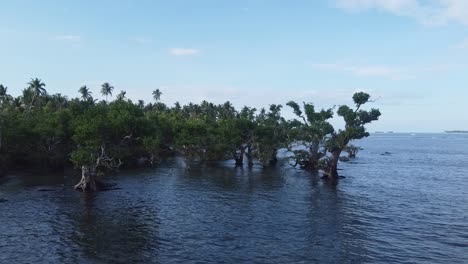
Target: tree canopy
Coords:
[[53, 131]]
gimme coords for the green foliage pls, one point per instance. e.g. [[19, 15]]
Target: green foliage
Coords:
[[85, 93], [35, 92], [53, 131], [355, 121], [157, 95], [307, 135], [270, 134], [352, 150], [360, 98], [121, 96]]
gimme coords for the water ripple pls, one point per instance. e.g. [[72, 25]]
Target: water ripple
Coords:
[[407, 207]]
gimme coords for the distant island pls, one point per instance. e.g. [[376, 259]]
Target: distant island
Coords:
[[456, 131]]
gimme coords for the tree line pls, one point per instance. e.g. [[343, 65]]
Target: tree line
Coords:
[[38, 129]]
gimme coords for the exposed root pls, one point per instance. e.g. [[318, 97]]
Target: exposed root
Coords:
[[88, 180]]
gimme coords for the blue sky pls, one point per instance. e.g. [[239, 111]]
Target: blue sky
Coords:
[[411, 55]]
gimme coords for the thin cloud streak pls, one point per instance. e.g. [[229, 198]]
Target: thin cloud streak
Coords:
[[184, 51], [435, 12]]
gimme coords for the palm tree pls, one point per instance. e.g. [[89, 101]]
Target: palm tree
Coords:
[[3, 97], [3, 93], [121, 95], [3, 90], [59, 100], [18, 104], [37, 88], [157, 95], [85, 93], [107, 89], [177, 107], [141, 104]]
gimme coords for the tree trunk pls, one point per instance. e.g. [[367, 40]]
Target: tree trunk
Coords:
[[154, 158], [274, 159], [88, 180], [249, 156], [1, 125], [32, 102], [239, 157], [1, 128], [314, 156], [332, 170], [2, 159]]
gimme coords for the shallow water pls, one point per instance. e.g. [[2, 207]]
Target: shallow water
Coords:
[[410, 206]]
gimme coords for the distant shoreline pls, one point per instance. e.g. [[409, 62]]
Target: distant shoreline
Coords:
[[443, 132], [456, 131]]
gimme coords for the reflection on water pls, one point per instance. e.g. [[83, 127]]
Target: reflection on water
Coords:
[[125, 234], [398, 208]]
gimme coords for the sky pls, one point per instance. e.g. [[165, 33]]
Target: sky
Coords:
[[410, 55]]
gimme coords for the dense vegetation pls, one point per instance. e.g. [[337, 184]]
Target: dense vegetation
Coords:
[[42, 130]]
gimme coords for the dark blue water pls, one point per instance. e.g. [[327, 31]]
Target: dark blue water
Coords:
[[410, 206]]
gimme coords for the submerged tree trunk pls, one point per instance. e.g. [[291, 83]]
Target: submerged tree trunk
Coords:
[[154, 158], [1, 126], [239, 157], [314, 156], [250, 156], [352, 151], [88, 180], [2, 161], [332, 169], [274, 159]]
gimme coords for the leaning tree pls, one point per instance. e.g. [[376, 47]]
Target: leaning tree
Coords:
[[355, 121], [106, 136], [308, 134]]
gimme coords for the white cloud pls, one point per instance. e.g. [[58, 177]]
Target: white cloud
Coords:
[[68, 38], [434, 12], [184, 51]]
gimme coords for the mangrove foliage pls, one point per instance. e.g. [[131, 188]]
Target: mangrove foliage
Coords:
[[38, 129]]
